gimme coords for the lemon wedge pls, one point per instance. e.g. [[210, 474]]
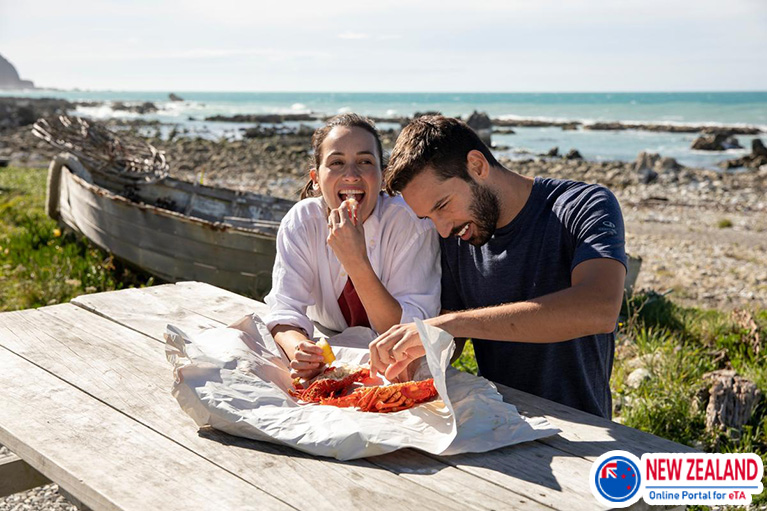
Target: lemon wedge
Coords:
[[327, 351]]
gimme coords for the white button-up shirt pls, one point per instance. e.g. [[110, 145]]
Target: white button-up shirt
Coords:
[[308, 278]]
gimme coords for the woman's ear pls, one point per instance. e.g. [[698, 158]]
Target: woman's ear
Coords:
[[315, 181]]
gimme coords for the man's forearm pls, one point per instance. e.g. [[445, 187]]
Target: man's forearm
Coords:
[[561, 316]]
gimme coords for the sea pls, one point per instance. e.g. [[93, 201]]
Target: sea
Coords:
[[674, 108]]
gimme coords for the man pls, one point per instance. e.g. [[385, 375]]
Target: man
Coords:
[[532, 269]]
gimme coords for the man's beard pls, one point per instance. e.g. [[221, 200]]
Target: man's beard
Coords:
[[486, 210]]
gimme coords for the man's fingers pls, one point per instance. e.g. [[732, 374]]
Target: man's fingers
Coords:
[[394, 370]]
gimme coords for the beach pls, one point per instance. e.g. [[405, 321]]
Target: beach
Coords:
[[701, 233]]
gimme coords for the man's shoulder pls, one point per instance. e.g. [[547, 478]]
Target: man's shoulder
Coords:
[[563, 194]]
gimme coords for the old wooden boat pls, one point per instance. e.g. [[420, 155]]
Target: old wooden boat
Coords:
[[173, 229]]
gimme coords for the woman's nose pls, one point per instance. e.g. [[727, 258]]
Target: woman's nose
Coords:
[[351, 172]]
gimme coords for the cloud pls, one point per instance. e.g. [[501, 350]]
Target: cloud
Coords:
[[353, 35]]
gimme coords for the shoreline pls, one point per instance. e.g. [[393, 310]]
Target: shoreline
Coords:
[[701, 233]]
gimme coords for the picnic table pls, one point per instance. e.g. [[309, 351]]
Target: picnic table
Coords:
[[86, 403]]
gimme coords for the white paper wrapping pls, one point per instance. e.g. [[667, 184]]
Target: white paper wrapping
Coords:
[[236, 379]]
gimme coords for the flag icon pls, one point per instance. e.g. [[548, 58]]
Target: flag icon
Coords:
[[617, 479]]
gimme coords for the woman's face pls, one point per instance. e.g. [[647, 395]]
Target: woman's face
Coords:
[[350, 167]]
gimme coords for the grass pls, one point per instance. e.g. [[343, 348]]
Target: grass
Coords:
[[724, 223], [40, 264], [678, 346]]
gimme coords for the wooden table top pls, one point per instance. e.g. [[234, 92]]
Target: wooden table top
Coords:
[[87, 402]]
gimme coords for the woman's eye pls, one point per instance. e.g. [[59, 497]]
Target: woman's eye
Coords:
[[336, 163], [366, 162]]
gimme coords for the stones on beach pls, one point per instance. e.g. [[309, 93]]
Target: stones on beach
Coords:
[[716, 142], [648, 166], [147, 107], [573, 154], [756, 160], [552, 153]]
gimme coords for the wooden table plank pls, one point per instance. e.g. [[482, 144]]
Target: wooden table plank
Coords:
[[104, 458], [571, 493], [128, 371]]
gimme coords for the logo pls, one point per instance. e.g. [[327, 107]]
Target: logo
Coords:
[[619, 479], [615, 478]]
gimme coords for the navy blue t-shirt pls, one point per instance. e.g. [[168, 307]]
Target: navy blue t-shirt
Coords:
[[562, 224]]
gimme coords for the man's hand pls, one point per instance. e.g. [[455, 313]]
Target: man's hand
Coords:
[[391, 352]]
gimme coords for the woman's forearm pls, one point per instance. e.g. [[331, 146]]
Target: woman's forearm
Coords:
[[382, 309]]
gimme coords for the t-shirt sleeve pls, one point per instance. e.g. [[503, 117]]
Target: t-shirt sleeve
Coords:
[[451, 298], [595, 220]]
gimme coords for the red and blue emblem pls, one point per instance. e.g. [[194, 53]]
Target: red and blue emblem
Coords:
[[617, 479]]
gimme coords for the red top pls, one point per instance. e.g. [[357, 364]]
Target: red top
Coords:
[[351, 306]]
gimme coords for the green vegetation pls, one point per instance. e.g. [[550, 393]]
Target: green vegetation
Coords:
[[40, 265], [724, 223], [676, 346]]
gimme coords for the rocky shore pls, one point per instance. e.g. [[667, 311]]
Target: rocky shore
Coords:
[[702, 234]]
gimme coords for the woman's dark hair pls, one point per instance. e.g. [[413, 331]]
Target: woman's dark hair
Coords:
[[319, 136]]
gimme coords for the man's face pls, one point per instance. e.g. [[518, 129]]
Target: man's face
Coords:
[[469, 210]]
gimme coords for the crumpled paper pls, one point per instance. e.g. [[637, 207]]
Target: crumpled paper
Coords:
[[236, 379]]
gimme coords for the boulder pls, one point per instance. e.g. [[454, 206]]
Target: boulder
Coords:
[[174, 97], [553, 153], [573, 154], [716, 142], [757, 148], [482, 126]]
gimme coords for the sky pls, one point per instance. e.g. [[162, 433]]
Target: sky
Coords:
[[388, 46]]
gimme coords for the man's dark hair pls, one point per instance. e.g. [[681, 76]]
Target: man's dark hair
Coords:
[[439, 142]]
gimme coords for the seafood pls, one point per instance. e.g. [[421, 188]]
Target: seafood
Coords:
[[327, 387], [388, 398]]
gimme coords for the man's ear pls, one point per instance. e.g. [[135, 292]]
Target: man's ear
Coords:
[[313, 177], [477, 165]]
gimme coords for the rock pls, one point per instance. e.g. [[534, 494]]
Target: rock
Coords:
[[667, 164], [647, 176], [482, 126], [715, 142], [553, 153], [757, 148], [637, 377], [479, 121], [573, 154], [731, 400], [174, 97]]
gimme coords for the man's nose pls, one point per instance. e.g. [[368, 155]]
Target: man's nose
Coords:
[[443, 228]]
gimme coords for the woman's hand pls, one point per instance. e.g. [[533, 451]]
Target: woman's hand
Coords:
[[307, 360], [346, 236]]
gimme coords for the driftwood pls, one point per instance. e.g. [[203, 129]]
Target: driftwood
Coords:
[[731, 400], [126, 158]]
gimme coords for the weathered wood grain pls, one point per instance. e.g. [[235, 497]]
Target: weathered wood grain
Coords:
[[103, 457], [128, 370]]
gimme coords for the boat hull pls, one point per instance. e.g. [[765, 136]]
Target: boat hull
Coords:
[[169, 244]]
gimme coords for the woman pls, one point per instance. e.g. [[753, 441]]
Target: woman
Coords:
[[347, 254]]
